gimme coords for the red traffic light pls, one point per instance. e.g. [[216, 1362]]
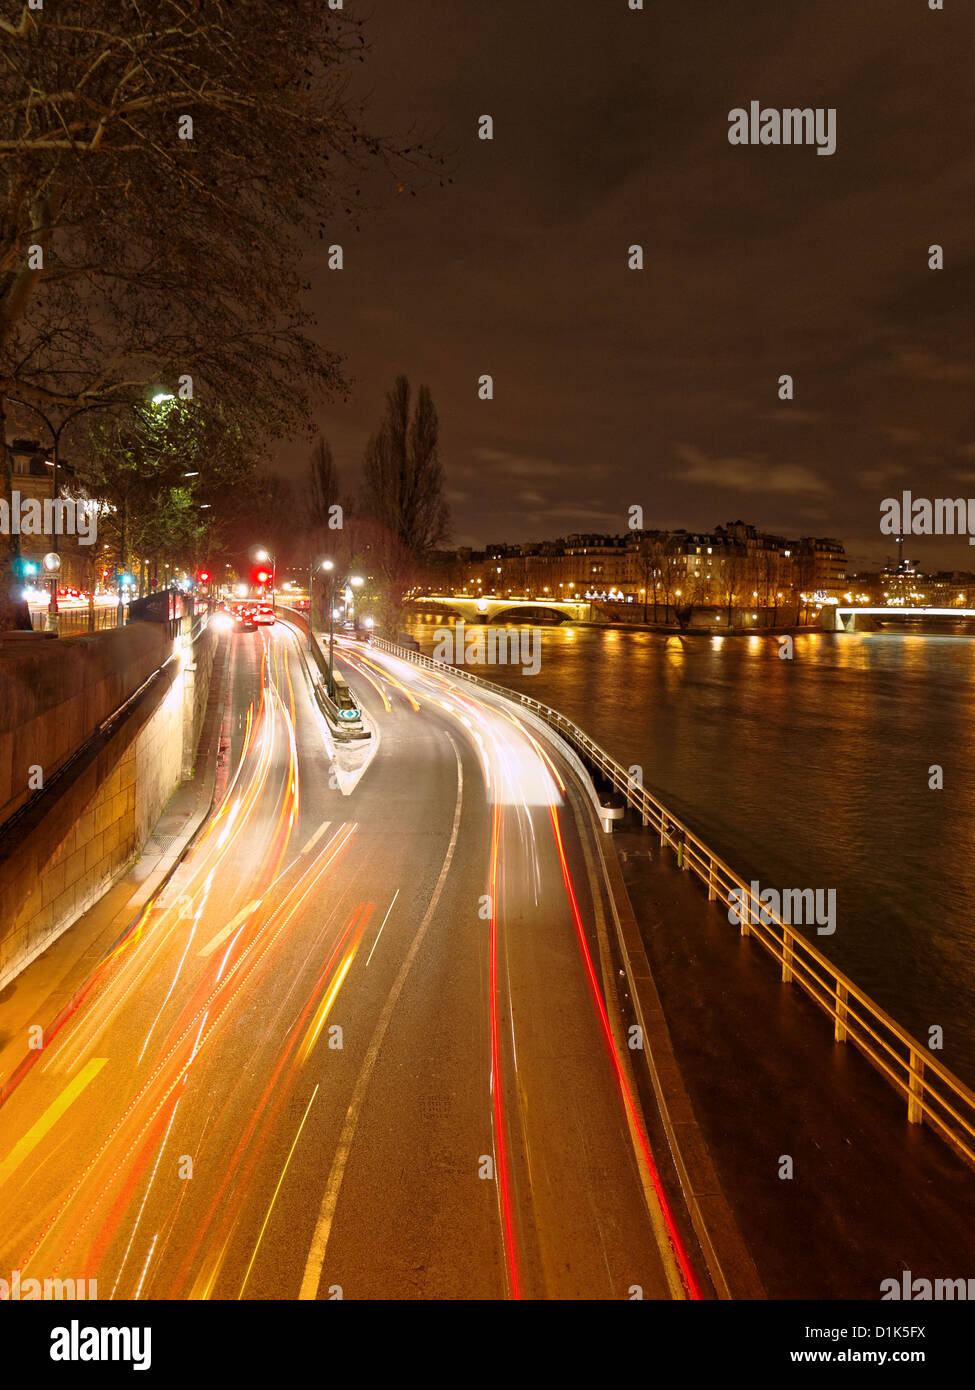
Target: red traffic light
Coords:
[[204, 576], [262, 576]]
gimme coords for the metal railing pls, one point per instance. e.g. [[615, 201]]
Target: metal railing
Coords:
[[75, 620], [933, 1093]]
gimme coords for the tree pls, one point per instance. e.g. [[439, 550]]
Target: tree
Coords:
[[163, 167], [14, 612], [647, 568], [323, 485], [732, 576], [804, 569], [403, 492], [172, 477], [671, 567]]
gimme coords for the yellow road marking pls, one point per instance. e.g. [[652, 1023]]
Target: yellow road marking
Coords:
[[50, 1117], [221, 936]]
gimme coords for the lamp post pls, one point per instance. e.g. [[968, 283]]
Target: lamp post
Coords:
[[351, 580], [325, 565]]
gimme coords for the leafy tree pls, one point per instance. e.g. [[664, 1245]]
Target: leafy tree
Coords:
[[172, 479]]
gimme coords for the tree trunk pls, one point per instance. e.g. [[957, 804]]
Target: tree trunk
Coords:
[[14, 612]]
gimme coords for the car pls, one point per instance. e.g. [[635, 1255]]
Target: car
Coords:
[[264, 613], [244, 622]]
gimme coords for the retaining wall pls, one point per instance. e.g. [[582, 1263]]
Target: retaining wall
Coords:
[[76, 838]]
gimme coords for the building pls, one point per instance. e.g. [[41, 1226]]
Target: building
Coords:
[[31, 476], [733, 566]]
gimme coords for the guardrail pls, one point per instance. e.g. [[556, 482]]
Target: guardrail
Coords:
[[933, 1093], [72, 621]]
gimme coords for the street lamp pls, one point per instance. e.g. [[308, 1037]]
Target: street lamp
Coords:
[[357, 582], [325, 565]]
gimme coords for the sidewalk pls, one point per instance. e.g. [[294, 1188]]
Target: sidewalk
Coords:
[[48, 983], [871, 1194]]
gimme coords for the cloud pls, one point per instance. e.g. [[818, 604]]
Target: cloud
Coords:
[[792, 415], [748, 474], [880, 477], [898, 434], [928, 366]]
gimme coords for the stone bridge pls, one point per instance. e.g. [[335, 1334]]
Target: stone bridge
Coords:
[[490, 608]]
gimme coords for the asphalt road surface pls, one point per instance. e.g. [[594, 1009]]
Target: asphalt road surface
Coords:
[[364, 1044]]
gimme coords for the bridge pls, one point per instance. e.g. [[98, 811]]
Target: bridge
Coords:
[[490, 607], [847, 616]]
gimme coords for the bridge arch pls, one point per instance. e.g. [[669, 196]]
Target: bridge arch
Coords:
[[489, 608]]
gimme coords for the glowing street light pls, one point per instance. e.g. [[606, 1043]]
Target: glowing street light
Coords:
[[357, 581]]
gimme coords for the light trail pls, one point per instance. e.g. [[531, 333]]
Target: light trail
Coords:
[[626, 1095]]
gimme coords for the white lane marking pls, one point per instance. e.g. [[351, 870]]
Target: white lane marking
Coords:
[[380, 931], [278, 1189], [221, 936], [316, 1254], [316, 837]]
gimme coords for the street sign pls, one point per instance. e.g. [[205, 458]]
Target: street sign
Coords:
[[52, 562]]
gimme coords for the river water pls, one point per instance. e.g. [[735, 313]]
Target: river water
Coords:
[[809, 773]]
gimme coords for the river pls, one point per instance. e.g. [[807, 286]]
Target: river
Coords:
[[807, 773]]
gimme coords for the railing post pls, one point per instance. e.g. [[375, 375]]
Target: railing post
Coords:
[[745, 914], [712, 891], [915, 1089], [787, 939], [839, 1031]]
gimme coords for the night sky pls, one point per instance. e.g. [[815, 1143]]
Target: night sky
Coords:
[[659, 387]]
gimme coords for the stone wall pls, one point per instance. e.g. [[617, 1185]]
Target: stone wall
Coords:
[[75, 840], [54, 693]]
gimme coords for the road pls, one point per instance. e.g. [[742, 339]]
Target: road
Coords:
[[364, 1044]]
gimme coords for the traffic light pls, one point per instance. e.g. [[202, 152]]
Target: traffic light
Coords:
[[204, 576]]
